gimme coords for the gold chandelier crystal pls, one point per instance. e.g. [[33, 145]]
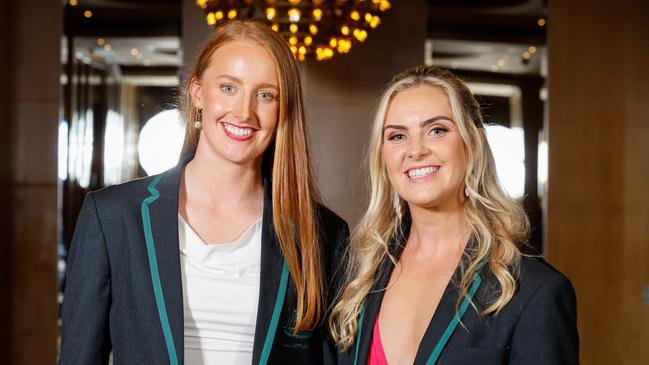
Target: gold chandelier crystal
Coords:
[[312, 28]]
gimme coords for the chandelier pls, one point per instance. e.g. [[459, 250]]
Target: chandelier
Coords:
[[312, 28]]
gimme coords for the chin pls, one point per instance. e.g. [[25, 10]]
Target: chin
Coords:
[[239, 156], [428, 201], [242, 160], [420, 203]]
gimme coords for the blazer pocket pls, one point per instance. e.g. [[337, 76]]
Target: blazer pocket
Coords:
[[474, 355]]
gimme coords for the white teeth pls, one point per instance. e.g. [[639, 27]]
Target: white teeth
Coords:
[[241, 132], [416, 173]]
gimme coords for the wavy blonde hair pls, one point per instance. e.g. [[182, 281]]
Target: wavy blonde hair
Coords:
[[294, 193], [497, 222]]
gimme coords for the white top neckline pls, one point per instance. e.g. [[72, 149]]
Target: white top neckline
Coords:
[[219, 258]]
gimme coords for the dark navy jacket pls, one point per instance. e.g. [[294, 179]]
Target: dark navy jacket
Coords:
[[124, 289], [537, 327]]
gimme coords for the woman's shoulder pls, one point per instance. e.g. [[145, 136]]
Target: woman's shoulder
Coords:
[[542, 316], [329, 220], [164, 184], [124, 195], [334, 236], [536, 271], [537, 278], [334, 231], [129, 189]]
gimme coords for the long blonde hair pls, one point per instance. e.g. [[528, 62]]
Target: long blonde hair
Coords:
[[294, 193], [497, 222]]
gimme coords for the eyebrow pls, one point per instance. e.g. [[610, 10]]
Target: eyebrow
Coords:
[[422, 124], [238, 80]]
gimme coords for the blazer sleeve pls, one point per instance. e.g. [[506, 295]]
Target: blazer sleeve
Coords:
[[85, 335], [546, 332]]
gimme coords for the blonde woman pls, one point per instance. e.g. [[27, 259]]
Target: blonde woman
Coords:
[[435, 273], [225, 258]]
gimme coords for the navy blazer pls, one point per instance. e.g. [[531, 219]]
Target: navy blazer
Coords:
[[538, 326], [124, 290]]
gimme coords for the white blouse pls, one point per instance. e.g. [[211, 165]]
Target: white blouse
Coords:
[[220, 295]]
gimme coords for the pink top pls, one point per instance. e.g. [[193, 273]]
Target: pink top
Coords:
[[377, 356]]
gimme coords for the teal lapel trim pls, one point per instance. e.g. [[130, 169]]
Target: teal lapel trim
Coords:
[[358, 333], [155, 274], [437, 351], [277, 311]]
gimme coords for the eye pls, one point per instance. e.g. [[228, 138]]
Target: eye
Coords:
[[396, 137], [228, 88], [266, 96], [437, 131]]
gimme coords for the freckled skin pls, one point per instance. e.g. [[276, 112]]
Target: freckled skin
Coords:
[[239, 87]]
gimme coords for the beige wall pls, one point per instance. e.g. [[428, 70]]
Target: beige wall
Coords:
[[30, 92], [598, 208], [194, 32]]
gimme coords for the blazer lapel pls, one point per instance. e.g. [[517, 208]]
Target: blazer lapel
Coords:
[[373, 303], [160, 222], [272, 275], [372, 307], [444, 313]]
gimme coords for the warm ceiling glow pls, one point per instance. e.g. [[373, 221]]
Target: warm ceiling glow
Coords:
[[308, 26]]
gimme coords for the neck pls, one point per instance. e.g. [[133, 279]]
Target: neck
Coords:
[[221, 182], [437, 231]]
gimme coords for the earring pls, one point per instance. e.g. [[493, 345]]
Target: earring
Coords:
[[396, 204], [470, 196], [198, 119]]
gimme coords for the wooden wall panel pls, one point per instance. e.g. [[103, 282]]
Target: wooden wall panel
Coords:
[[598, 208], [28, 141], [6, 172]]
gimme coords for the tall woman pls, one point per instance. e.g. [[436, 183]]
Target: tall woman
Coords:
[[435, 273], [225, 258]]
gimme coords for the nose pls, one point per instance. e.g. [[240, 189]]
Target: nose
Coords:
[[242, 109], [417, 149]]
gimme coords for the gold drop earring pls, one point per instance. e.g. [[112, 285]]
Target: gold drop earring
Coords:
[[198, 119]]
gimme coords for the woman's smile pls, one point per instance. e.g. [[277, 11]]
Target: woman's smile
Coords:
[[422, 173], [238, 133]]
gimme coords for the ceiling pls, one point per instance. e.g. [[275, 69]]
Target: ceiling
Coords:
[[475, 35], [510, 58], [133, 51]]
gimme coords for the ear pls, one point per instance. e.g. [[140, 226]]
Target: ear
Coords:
[[195, 92]]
